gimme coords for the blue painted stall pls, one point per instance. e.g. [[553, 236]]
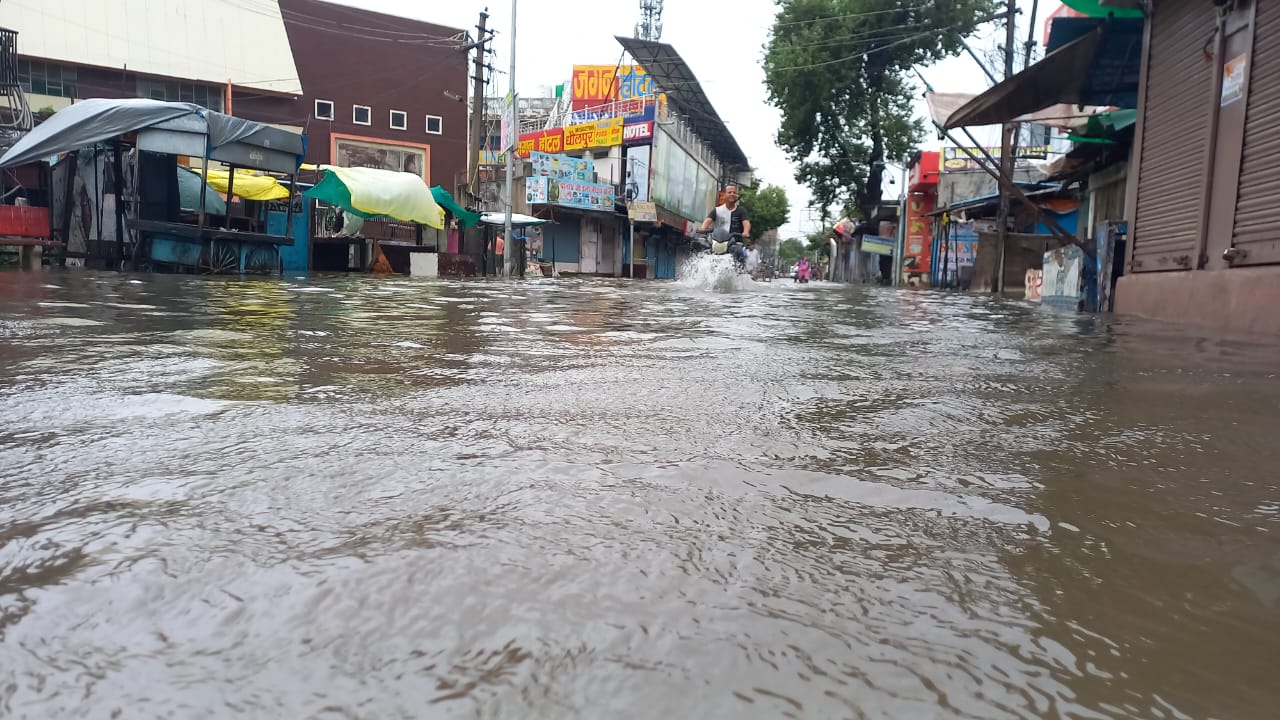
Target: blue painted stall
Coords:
[[296, 257]]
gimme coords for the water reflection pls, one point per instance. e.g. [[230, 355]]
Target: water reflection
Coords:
[[357, 497]]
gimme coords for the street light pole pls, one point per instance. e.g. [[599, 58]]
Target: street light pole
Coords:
[[509, 249], [900, 259]]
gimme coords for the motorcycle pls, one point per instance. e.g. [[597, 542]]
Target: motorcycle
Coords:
[[717, 242]]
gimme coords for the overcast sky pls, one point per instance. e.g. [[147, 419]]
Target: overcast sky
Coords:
[[723, 44]]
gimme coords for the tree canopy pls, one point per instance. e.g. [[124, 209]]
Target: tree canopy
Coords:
[[767, 207], [839, 70], [789, 251]]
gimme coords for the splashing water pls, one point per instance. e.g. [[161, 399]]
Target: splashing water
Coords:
[[713, 273]]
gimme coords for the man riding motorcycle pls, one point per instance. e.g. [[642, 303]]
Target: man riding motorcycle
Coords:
[[732, 226]]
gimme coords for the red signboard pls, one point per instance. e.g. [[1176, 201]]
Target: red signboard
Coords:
[[637, 133], [919, 235], [924, 173], [543, 141]]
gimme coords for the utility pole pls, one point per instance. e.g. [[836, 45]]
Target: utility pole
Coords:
[[509, 249], [1006, 147], [477, 108], [1030, 45]]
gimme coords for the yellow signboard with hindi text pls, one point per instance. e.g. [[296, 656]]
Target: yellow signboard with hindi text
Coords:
[[602, 133]]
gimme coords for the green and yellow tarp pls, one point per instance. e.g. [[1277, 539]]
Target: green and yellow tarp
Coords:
[[372, 192]]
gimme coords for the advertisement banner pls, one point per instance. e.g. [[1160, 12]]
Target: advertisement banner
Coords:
[[535, 190], [542, 141], [955, 159], [877, 245], [509, 127], [633, 110], [584, 196], [640, 211], [598, 84], [602, 133], [638, 172], [562, 168], [567, 181], [637, 133]]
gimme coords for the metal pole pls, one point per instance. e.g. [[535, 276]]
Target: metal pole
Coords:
[[508, 252], [204, 185], [994, 171], [990, 76], [1006, 149], [288, 215], [118, 180], [231, 185], [899, 263]]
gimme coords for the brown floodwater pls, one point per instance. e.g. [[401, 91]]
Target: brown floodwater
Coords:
[[351, 497]]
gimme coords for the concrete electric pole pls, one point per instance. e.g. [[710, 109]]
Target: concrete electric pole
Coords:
[[477, 108]]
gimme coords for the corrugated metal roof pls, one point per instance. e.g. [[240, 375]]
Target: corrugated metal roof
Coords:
[[1028, 189], [677, 80], [1090, 63]]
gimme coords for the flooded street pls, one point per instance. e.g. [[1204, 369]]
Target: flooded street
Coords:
[[351, 497]]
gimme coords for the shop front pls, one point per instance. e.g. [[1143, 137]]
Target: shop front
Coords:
[[922, 199], [583, 235]]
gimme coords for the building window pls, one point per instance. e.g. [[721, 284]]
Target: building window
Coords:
[[209, 96], [361, 115], [40, 78], [324, 109], [399, 120], [435, 125]]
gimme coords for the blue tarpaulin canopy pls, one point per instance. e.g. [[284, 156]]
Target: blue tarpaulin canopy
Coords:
[[97, 120], [189, 194]]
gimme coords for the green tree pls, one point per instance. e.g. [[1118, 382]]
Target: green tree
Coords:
[[839, 70], [789, 251], [767, 207]]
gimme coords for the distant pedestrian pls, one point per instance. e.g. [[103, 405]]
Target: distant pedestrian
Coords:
[[752, 259]]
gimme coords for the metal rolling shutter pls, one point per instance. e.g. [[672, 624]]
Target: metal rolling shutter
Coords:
[[1171, 184], [1256, 231]]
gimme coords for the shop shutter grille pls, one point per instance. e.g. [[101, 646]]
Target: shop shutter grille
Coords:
[[1257, 233], [1171, 183]]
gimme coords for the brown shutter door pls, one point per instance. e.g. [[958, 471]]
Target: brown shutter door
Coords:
[[1257, 234], [1175, 140]]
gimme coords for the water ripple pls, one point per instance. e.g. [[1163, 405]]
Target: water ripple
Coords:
[[353, 497]]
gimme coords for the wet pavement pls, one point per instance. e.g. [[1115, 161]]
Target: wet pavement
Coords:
[[354, 497]]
